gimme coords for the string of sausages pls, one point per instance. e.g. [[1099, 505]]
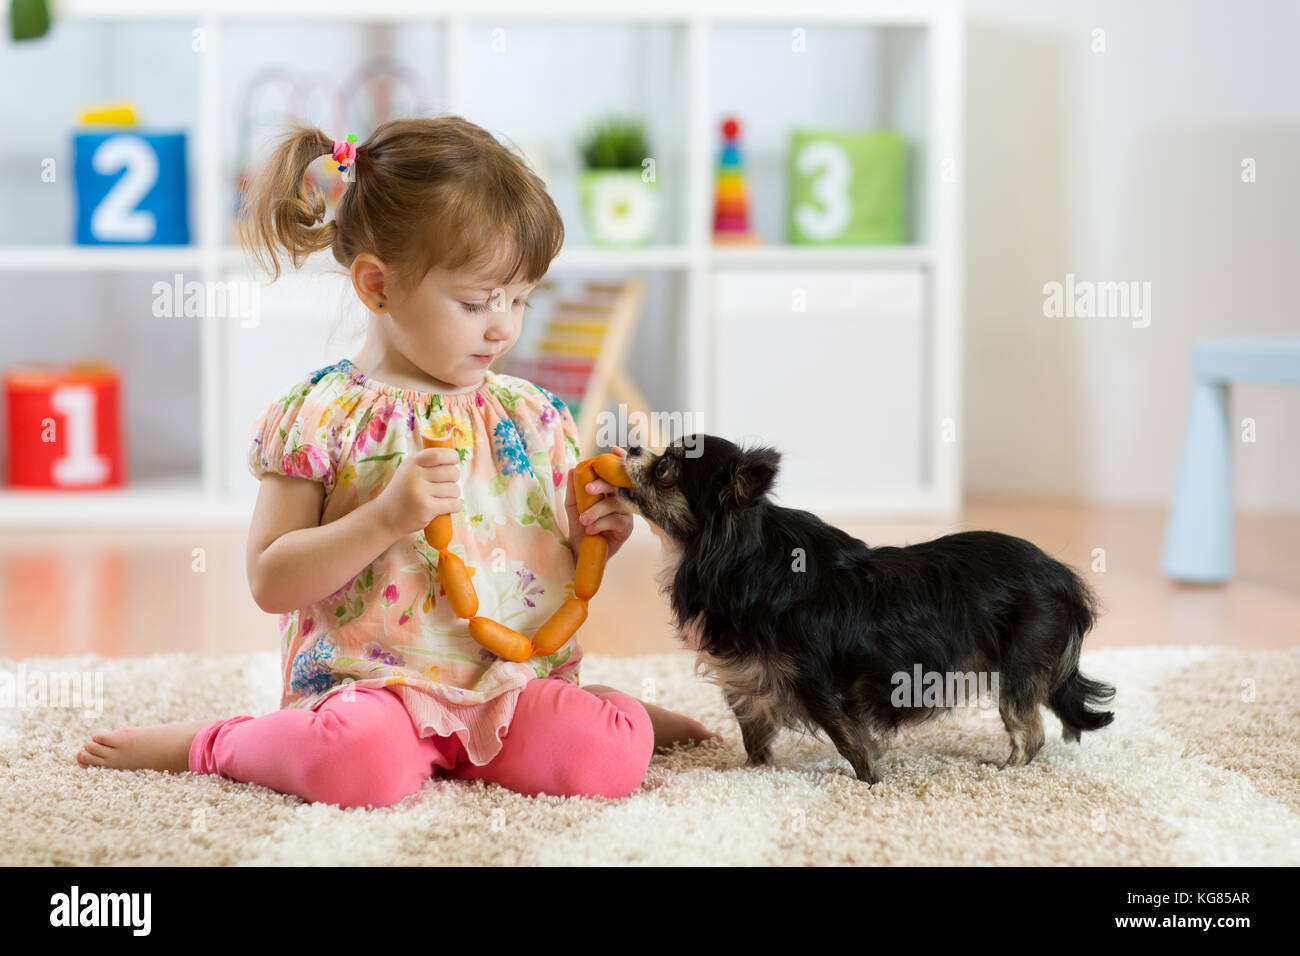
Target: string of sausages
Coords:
[[563, 624]]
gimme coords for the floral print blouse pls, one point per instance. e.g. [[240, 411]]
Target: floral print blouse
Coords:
[[392, 625]]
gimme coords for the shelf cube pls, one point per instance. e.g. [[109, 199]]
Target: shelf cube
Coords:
[[63, 427], [847, 187], [131, 188]]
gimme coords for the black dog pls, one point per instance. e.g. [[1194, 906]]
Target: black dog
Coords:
[[806, 627]]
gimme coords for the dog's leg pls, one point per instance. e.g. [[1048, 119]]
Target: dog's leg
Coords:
[[855, 743], [875, 745], [757, 729], [1025, 726]]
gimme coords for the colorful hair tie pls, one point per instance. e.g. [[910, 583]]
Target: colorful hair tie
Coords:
[[345, 152]]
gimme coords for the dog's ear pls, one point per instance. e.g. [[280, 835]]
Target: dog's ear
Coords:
[[749, 477]]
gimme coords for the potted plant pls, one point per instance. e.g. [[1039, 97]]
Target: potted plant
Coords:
[[619, 195]]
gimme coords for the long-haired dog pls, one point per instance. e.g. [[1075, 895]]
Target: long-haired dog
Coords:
[[806, 627]]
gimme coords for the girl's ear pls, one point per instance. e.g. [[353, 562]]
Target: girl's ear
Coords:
[[370, 280]]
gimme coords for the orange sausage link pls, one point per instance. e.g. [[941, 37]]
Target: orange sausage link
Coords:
[[500, 640], [561, 625], [438, 531], [610, 468], [591, 565], [583, 473], [455, 581]]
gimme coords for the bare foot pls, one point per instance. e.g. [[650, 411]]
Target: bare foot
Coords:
[[161, 747], [671, 727]]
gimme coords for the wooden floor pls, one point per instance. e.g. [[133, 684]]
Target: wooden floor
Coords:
[[132, 593]]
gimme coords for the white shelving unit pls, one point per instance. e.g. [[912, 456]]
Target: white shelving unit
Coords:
[[921, 69]]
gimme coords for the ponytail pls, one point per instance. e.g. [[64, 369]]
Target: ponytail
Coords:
[[279, 213], [437, 191]]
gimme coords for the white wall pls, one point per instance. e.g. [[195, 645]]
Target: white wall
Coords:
[[1126, 165]]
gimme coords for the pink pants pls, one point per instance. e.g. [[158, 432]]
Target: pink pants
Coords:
[[562, 740]]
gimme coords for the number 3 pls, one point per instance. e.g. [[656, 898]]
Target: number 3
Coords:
[[830, 188]]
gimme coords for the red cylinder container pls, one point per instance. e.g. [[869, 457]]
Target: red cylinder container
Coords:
[[63, 424]]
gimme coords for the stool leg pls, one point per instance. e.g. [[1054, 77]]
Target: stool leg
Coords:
[[1198, 544]]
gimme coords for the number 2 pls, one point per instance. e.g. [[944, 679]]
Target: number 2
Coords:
[[116, 218]]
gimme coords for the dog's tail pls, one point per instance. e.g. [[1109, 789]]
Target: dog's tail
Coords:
[[1070, 703], [1074, 692]]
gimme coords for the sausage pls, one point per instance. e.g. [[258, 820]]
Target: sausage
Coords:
[[503, 641], [455, 581], [583, 473], [500, 640], [438, 531], [591, 565], [560, 626], [610, 468]]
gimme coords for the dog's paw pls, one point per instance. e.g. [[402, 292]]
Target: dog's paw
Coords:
[[870, 778]]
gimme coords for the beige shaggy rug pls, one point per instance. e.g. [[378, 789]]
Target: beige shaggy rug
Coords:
[[1202, 766]]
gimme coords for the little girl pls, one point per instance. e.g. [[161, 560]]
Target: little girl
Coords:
[[445, 231]]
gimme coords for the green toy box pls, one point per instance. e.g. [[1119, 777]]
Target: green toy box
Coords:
[[847, 187]]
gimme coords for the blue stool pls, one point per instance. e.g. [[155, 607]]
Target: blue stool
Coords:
[[1198, 544]]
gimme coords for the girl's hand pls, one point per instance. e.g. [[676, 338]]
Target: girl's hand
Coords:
[[610, 516], [424, 486]]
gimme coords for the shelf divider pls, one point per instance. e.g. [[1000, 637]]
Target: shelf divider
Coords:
[[214, 382]]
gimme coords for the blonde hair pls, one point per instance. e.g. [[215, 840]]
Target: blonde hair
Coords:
[[427, 193]]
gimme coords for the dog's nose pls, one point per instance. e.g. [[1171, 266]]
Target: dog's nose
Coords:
[[633, 450]]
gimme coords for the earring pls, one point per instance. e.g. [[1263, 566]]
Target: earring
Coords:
[[381, 305]]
